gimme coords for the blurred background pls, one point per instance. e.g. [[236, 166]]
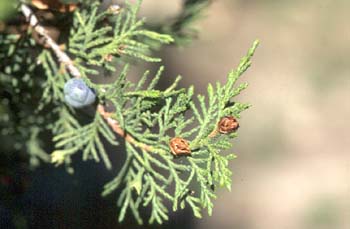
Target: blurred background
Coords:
[[293, 165]]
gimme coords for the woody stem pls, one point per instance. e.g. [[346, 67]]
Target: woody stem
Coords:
[[74, 71]]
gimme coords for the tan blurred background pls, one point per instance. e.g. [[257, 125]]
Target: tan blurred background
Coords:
[[293, 165]]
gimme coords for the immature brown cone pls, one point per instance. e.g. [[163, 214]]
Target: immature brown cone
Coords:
[[179, 147], [228, 124]]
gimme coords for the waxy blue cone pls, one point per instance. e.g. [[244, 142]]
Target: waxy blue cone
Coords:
[[77, 94]]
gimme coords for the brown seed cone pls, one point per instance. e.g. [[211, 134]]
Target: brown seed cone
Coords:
[[179, 147], [227, 125]]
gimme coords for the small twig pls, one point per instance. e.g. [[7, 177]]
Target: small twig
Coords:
[[62, 56], [213, 133], [116, 127], [74, 71]]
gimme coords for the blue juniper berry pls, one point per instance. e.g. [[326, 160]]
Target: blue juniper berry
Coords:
[[77, 94]]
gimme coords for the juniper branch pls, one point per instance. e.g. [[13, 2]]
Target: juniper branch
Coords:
[[154, 123], [117, 129], [74, 71]]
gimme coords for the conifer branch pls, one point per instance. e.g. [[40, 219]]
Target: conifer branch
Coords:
[[74, 71], [157, 126], [117, 129]]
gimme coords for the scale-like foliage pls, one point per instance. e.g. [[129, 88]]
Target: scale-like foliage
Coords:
[[152, 174], [98, 36], [145, 118], [85, 138], [149, 177]]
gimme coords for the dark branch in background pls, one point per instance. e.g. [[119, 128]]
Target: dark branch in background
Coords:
[[181, 28]]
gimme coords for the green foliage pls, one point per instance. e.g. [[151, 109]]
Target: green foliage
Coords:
[[95, 36], [150, 178], [53, 86], [145, 117], [19, 92], [85, 138]]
